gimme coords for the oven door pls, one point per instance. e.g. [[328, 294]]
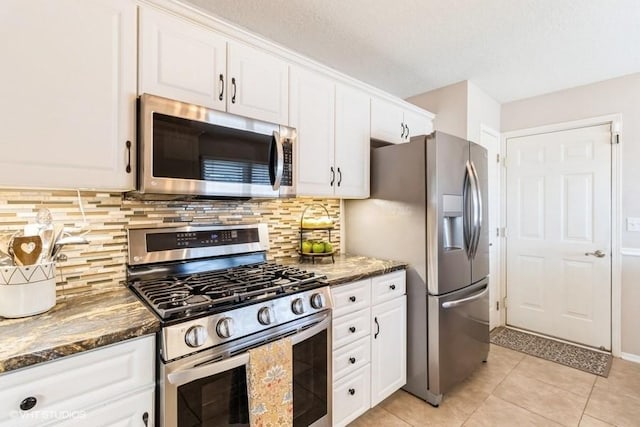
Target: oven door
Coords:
[[207, 389], [191, 150]]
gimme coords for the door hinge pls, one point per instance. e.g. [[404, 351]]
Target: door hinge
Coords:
[[497, 158], [501, 232], [615, 138], [504, 302]]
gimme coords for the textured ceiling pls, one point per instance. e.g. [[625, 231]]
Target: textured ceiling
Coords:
[[512, 49]]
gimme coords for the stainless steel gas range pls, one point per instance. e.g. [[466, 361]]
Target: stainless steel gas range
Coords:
[[217, 297]]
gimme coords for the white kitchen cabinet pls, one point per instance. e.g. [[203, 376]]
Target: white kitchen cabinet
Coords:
[[68, 94], [388, 348], [83, 385], [369, 330], [352, 140], [313, 114], [135, 410], [180, 60], [258, 84], [392, 123], [332, 121]]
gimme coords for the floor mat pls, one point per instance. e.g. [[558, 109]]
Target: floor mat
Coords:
[[586, 360]]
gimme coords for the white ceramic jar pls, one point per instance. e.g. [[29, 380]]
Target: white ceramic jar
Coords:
[[27, 290]]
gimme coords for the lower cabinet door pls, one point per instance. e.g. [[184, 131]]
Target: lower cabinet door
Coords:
[[134, 410], [351, 396], [388, 348]]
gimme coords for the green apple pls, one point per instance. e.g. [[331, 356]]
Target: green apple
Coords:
[[318, 247], [328, 247], [306, 247]]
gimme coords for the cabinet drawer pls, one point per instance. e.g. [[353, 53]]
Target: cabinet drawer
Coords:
[[351, 396], [350, 357], [77, 382], [351, 327], [388, 286], [351, 297]]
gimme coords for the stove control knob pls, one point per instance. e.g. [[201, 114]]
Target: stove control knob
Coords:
[[297, 306], [224, 328], [317, 301], [265, 316], [195, 336]]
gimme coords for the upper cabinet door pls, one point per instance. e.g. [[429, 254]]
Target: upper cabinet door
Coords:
[[417, 124], [312, 114], [352, 143], [68, 93], [257, 84], [387, 121], [181, 60]]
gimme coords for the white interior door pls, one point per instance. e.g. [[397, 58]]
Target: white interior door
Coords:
[[558, 217], [490, 140]]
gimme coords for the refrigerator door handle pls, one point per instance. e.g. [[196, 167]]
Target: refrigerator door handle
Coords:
[[466, 220], [477, 224], [462, 301]]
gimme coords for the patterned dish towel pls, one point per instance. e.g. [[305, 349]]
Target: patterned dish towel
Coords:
[[270, 384]]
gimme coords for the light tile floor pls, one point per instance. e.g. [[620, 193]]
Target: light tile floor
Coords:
[[514, 389]]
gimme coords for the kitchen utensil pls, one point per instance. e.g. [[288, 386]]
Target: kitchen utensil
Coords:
[[27, 249], [67, 240]]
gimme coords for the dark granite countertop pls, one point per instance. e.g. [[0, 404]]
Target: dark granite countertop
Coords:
[[80, 323], [349, 268]]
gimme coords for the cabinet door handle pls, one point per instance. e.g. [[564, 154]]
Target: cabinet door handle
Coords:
[[375, 319], [128, 145], [352, 298], [221, 87], [333, 176], [352, 360], [407, 134], [352, 329], [339, 177], [352, 391], [402, 133], [233, 83], [28, 403], [145, 418]]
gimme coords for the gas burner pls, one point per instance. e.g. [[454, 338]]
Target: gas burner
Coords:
[[210, 291]]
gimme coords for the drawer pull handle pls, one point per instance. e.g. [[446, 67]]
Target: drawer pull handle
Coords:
[[392, 287], [352, 299], [352, 360], [28, 403], [352, 329], [352, 391]]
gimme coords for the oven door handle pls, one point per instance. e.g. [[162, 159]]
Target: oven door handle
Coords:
[[187, 375]]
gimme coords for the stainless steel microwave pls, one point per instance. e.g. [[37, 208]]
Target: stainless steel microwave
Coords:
[[188, 151]]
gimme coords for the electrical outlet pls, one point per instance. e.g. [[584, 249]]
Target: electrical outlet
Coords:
[[633, 224]]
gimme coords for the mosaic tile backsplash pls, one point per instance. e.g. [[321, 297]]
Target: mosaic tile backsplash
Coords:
[[105, 216]]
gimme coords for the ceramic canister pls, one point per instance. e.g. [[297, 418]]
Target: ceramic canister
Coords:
[[27, 290]]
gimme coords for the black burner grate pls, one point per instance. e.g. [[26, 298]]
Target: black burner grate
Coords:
[[186, 295]]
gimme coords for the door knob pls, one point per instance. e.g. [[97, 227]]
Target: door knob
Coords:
[[597, 254]]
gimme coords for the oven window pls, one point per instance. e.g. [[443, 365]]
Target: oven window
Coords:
[[195, 150], [219, 400], [310, 380]]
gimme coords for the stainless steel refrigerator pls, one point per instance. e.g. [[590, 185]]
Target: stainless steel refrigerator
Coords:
[[428, 207]]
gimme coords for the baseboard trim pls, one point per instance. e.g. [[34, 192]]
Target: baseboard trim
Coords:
[[630, 357]]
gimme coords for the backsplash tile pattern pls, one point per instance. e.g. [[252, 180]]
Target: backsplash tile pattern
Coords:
[[101, 264]]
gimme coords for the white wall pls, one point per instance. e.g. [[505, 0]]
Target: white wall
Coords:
[[481, 110], [615, 96]]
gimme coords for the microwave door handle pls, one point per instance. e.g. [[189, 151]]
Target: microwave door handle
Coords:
[[181, 377], [278, 166]]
